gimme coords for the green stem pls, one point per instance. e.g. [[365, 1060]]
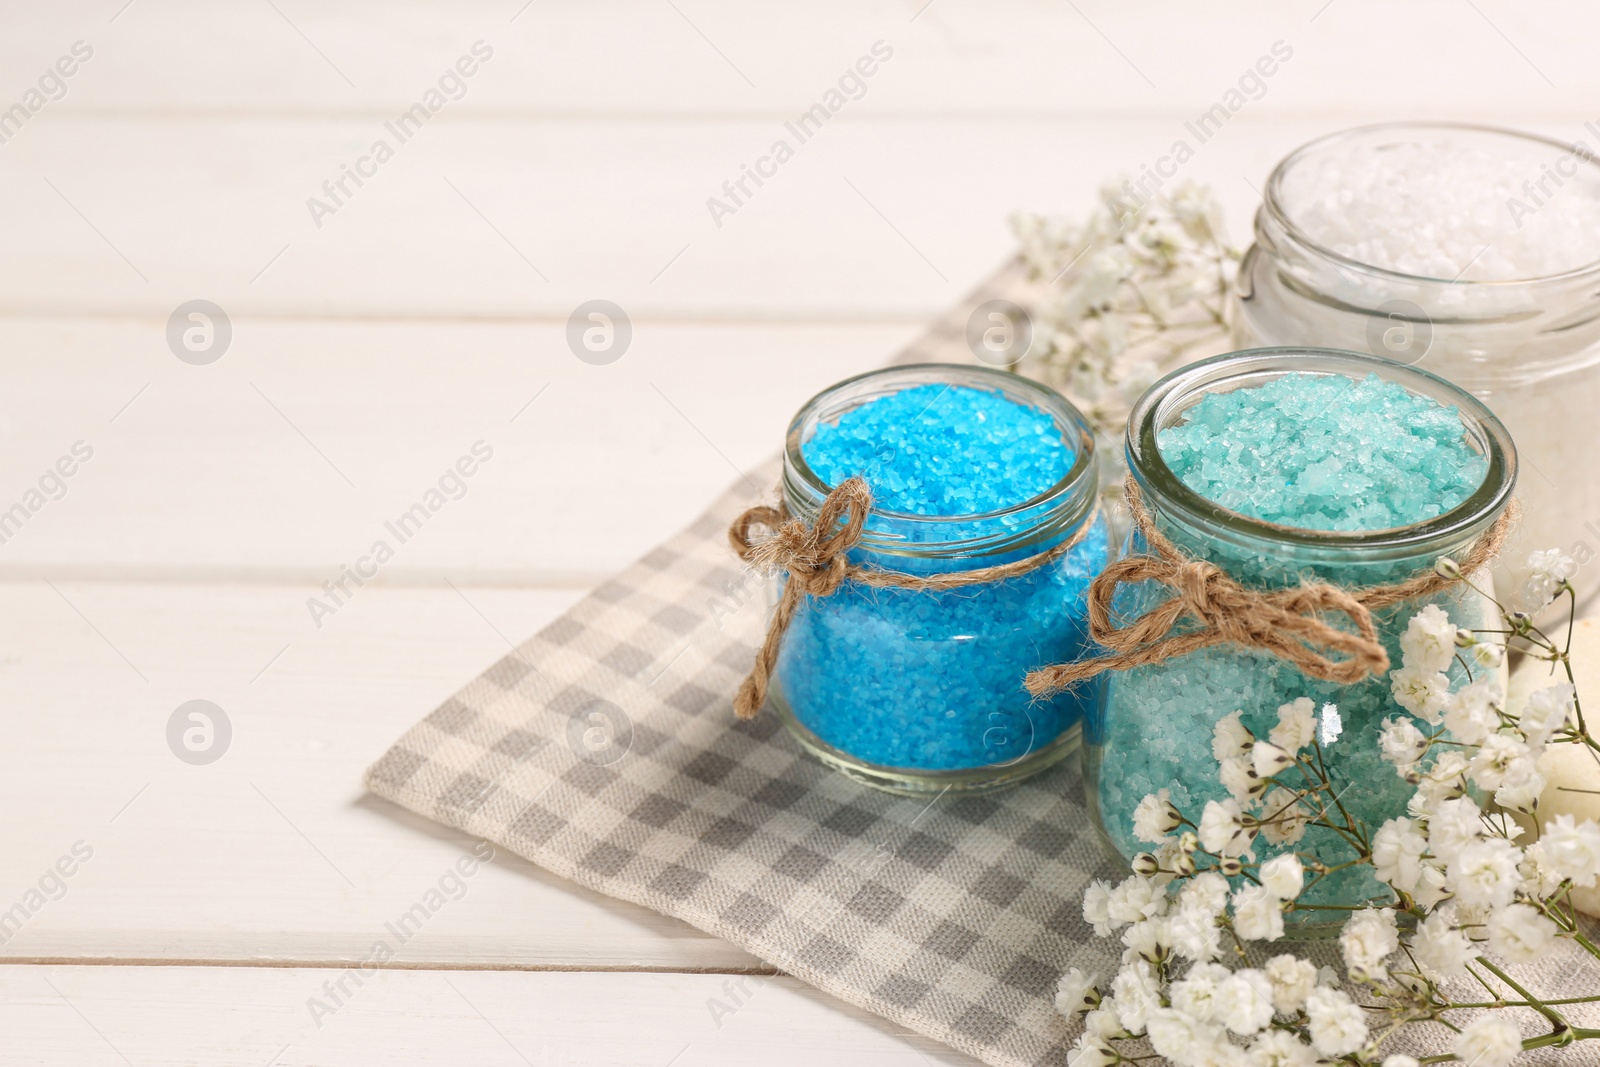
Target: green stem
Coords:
[[1539, 1006]]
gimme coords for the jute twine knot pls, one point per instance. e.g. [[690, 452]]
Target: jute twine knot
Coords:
[[815, 559], [1293, 624]]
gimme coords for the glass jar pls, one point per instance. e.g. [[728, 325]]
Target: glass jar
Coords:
[[1528, 348], [917, 691], [1154, 729]]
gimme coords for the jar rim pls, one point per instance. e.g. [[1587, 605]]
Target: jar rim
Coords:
[[1272, 201], [1074, 492], [1258, 365]]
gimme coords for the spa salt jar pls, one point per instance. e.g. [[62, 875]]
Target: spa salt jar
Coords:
[[1280, 485], [1469, 251], [937, 535]]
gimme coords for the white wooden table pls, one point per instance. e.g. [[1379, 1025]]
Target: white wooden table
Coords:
[[427, 313]]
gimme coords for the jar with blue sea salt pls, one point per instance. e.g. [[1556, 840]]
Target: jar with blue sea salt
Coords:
[[1285, 466], [919, 688]]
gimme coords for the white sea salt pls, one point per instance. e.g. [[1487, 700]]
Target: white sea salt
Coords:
[[1456, 205]]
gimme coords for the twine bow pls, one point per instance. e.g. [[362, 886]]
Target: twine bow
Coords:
[[816, 560], [1292, 624]]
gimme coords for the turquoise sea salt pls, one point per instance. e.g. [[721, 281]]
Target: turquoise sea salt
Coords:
[[1320, 452], [929, 682]]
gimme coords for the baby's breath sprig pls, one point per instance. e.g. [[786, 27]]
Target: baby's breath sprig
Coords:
[[1125, 295], [1466, 903]]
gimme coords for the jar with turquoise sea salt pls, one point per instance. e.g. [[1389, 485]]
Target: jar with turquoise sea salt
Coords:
[[919, 689], [1283, 466]]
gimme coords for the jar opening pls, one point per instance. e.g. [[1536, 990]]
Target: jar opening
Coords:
[[1165, 403], [1541, 155], [1057, 509]]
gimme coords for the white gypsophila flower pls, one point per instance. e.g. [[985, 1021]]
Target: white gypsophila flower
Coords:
[[1431, 886], [1204, 894], [1519, 933], [1429, 643], [1549, 568], [1184, 1040], [1135, 899], [1439, 948], [1489, 1041], [1195, 993], [1401, 743], [1548, 710], [1297, 725], [1400, 1059], [1446, 778], [1422, 693], [1453, 826], [1397, 850], [1292, 979], [1137, 993], [1155, 817], [1367, 940], [1539, 879], [1502, 759], [1280, 1048], [1572, 849], [1523, 796], [1097, 908], [1148, 939], [1338, 1026], [1257, 914], [1243, 1002], [1283, 817], [1268, 759], [1076, 991], [1283, 876], [1091, 1051], [1194, 934], [1239, 778], [1222, 828], [1230, 738], [1484, 873], [1103, 1022], [1472, 712]]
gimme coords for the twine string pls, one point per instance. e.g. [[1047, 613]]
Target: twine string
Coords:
[[815, 558], [1294, 624]]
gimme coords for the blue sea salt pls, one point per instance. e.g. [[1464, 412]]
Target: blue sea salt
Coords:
[[926, 681], [1312, 452]]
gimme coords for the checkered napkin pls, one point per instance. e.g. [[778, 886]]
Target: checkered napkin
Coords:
[[605, 749]]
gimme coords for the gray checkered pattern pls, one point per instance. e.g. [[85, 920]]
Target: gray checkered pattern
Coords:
[[952, 918]]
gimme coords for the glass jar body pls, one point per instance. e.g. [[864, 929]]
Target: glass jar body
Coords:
[[1154, 726], [1528, 349], [918, 690]]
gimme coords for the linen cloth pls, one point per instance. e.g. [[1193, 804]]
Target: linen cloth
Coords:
[[605, 749]]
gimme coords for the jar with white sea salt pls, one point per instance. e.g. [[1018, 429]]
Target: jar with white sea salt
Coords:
[[1283, 467], [961, 562], [1469, 251]]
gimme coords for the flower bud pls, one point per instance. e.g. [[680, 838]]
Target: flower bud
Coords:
[[1146, 864], [1188, 842], [1465, 638], [1183, 865], [1231, 866], [1447, 568], [1521, 622]]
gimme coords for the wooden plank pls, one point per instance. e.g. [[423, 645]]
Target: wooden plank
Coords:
[[272, 852], [250, 1016], [868, 220], [721, 57], [291, 456]]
